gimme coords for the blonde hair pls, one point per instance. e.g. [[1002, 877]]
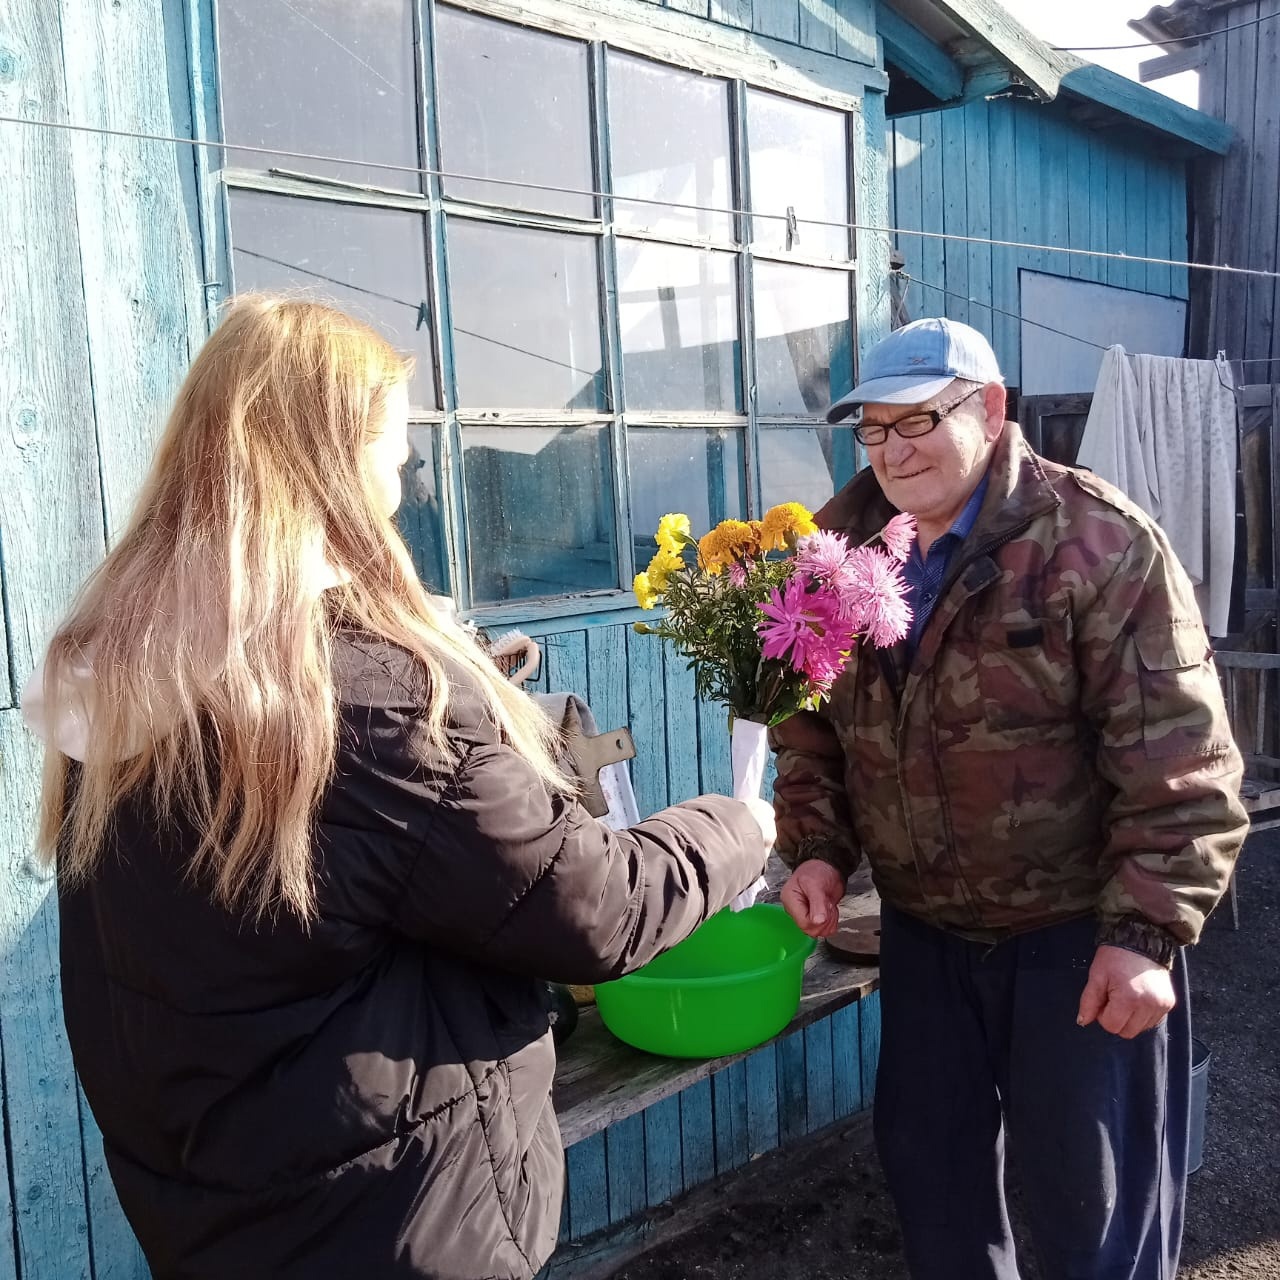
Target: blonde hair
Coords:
[[207, 630]]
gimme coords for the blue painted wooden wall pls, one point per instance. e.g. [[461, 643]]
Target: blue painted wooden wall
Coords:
[[1013, 170], [107, 253]]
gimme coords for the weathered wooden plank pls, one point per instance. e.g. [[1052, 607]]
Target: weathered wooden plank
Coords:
[[846, 1060], [1004, 262], [663, 1168], [729, 1105], [779, 19], [698, 8], [1181, 190], [955, 214], [1028, 183], [906, 186], [907, 47], [1079, 196], [1117, 216], [817, 27], [682, 726], [1100, 197], [607, 676], [139, 241], [871, 204], [933, 254], [588, 1186], [1260, 320], [8, 1240], [855, 23], [48, 1190], [1055, 180], [1163, 181], [624, 1155], [762, 1100], [819, 1070], [1135, 220], [45, 382], [8, 694], [697, 1134], [732, 13], [869, 1038], [715, 772], [1171, 64], [116, 1252], [647, 722], [792, 1111], [566, 659], [1156, 110], [978, 160], [1232, 292]]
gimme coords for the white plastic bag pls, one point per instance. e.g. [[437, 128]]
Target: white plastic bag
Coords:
[[749, 753]]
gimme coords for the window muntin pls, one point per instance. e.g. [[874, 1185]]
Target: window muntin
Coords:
[[584, 344]]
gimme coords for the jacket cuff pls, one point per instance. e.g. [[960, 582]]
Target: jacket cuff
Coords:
[[818, 848], [1132, 933]]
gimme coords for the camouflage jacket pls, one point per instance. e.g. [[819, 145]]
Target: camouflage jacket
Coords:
[[1057, 745]]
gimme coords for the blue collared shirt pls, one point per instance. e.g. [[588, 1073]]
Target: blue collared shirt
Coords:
[[924, 574]]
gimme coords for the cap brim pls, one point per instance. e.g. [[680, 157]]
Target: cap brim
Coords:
[[906, 389]]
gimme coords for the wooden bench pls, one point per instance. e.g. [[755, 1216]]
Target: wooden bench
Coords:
[[1251, 688]]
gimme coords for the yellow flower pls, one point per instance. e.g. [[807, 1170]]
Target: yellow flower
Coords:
[[661, 567], [645, 593], [668, 528], [784, 523], [730, 540]]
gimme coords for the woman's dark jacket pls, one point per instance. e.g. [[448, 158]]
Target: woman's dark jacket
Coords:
[[370, 1096]]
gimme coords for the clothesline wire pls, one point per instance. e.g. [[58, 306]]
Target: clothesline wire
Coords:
[[990, 306], [1152, 44], [386, 166]]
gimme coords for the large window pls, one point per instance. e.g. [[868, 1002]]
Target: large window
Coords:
[[627, 287]]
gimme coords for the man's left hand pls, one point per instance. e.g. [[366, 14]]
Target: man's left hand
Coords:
[[1126, 994]]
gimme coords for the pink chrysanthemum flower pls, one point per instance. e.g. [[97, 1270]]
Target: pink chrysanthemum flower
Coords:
[[804, 626], [825, 555], [738, 574], [876, 596], [898, 535]]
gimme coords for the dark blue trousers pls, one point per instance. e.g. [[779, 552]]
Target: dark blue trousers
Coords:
[[977, 1041]]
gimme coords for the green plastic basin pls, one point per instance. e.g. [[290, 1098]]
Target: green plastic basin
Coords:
[[730, 986]]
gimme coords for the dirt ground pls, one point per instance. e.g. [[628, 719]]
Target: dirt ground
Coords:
[[821, 1212]]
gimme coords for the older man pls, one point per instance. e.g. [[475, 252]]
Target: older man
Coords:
[[1044, 782]]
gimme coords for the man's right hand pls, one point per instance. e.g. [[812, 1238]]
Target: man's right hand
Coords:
[[812, 897]]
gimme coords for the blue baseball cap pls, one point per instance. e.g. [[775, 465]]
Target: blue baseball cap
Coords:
[[914, 363]]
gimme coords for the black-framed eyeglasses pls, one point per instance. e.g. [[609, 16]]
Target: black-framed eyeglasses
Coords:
[[909, 427]]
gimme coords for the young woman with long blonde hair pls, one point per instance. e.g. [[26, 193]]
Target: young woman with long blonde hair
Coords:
[[314, 853]]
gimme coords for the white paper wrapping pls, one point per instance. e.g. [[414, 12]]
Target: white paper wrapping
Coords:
[[749, 753]]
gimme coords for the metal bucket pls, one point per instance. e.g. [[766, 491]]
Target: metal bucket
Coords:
[[1200, 1060]]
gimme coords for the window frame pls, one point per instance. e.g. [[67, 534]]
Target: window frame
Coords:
[[743, 66]]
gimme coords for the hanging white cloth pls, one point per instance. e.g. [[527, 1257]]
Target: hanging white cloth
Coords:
[[1163, 430]]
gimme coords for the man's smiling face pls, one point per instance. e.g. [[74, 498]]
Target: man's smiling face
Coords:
[[932, 475]]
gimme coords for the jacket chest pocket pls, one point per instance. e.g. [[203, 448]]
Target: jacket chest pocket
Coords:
[[1026, 674]]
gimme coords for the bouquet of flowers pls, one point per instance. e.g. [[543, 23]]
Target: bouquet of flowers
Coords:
[[769, 612]]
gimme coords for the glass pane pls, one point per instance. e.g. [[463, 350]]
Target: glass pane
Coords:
[[805, 464], [678, 310], [804, 338], [799, 159], [670, 141], [539, 511], [421, 516], [369, 262], [526, 317], [328, 77], [698, 472], [514, 103]]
